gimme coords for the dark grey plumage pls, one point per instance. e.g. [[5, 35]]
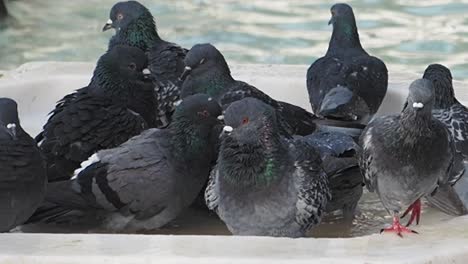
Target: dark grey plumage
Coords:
[[347, 83], [338, 152], [118, 103], [148, 180], [23, 174], [454, 115], [207, 72], [265, 184], [135, 27], [407, 156]]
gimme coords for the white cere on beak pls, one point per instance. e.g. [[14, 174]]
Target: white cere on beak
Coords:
[[220, 118], [177, 103], [188, 68], [228, 129], [209, 99], [146, 71], [418, 105], [11, 126], [109, 22]]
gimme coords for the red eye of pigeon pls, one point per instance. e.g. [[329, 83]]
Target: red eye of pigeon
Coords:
[[204, 113], [245, 120], [119, 16]]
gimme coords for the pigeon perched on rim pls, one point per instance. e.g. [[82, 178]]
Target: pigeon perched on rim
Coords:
[[407, 156], [339, 160], [347, 83], [23, 175], [118, 104], [265, 184], [447, 109], [207, 72], [135, 26], [148, 180]]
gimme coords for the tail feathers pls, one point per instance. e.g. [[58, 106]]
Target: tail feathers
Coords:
[[48, 213], [299, 120], [447, 200]]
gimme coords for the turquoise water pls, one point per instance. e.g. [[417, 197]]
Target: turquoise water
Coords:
[[407, 35]]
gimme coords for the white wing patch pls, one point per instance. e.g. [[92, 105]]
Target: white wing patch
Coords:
[[91, 160]]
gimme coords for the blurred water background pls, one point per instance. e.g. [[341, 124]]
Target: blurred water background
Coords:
[[407, 35]]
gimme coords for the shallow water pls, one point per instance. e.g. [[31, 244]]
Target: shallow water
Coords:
[[407, 35]]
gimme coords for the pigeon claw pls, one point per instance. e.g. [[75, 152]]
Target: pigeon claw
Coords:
[[415, 210], [397, 228]]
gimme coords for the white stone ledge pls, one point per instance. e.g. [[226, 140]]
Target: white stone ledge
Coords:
[[37, 86]]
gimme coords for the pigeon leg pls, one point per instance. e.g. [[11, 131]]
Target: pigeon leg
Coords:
[[397, 228], [415, 209]]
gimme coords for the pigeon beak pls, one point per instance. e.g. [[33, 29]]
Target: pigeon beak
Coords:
[[186, 73], [417, 105], [146, 72], [227, 129], [331, 21], [12, 130], [108, 25]]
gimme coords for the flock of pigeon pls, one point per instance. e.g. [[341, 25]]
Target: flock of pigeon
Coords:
[[159, 124]]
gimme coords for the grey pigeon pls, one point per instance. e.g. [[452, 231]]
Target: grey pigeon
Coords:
[[407, 156], [339, 160], [447, 109], [207, 72], [23, 175], [265, 184], [135, 26], [347, 83], [148, 180], [118, 104]]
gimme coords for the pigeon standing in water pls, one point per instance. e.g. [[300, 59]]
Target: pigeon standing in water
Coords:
[[347, 84], [407, 156], [23, 175], [339, 160], [454, 115], [207, 72], [265, 184], [148, 180], [135, 26], [118, 104]]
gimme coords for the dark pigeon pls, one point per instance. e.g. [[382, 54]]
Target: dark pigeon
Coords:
[[3, 10], [339, 160], [148, 180], [23, 175], [407, 156], [207, 72], [118, 104], [265, 184], [135, 26], [447, 109], [347, 84]]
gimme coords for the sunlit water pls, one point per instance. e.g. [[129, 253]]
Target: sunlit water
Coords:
[[407, 35]]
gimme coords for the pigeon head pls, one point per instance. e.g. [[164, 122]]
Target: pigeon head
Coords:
[[9, 122], [133, 23], [345, 32], [251, 147], [343, 104], [198, 109], [441, 79], [421, 95], [121, 64], [204, 62]]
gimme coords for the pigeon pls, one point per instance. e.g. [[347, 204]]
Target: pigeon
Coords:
[[339, 160], [347, 83], [23, 175], [148, 180], [3, 10], [118, 104], [206, 71], [135, 26], [447, 109], [407, 156], [265, 184]]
